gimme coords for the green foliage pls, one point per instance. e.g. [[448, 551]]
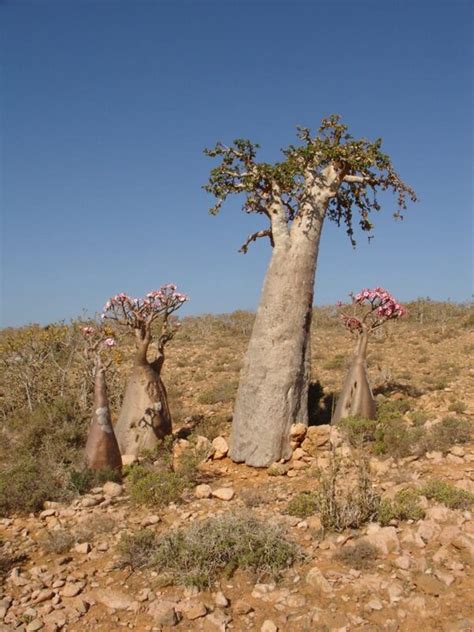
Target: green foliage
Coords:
[[222, 392], [457, 407], [202, 552], [303, 505], [395, 438], [447, 494], [239, 172], [404, 506], [359, 430], [27, 481], [342, 505], [361, 555], [450, 431], [83, 480], [147, 486], [392, 409]]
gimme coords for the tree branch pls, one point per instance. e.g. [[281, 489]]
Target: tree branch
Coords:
[[261, 233], [357, 179]]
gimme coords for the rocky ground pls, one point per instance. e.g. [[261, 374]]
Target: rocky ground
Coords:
[[421, 577], [422, 574]]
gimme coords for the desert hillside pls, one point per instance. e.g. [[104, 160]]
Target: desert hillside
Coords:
[[368, 527]]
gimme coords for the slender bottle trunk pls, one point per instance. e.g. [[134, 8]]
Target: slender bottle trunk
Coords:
[[102, 450], [274, 381], [145, 417], [356, 397]]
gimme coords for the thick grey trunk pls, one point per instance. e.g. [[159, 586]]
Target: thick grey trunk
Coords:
[[102, 450], [144, 417], [356, 397], [273, 388]]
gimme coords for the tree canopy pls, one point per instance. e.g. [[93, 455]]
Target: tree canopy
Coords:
[[358, 168]]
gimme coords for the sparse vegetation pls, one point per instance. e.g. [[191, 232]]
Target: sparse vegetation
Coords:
[[359, 430], [57, 541], [404, 506], [303, 505], [200, 553], [342, 505], [360, 555], [447, 494], [222, 392]]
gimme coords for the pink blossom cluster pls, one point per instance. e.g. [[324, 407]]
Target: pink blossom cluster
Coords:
[[133, 311], [385, 304], [90, 332]]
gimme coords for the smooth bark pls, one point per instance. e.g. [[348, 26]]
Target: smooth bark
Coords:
[[356, 398], [274, 381], [145, 417], [102, 450]]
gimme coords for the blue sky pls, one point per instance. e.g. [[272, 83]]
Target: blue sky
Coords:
[[107, 106]]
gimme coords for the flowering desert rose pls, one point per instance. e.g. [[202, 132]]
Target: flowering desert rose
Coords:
[[370, 310], [145, 417]]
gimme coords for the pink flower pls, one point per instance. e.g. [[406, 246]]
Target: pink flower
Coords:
[[88, 331], [109, 342]]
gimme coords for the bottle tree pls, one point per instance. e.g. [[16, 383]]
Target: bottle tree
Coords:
[[328, 175], [145, 417], [371, 310], [102, 450]]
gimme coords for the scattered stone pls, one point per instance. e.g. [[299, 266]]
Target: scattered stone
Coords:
[[34, 625], [113, 599], [242, 607], [112, 489], [224, 493], [72, 590], [163, 612], [129, 459], [203, 491], [83, 548], [195, 612], [269, 626], [375, 604], [383, 538], [47, 513], [429, 585], [90, 501], [221, 448], [149, 521], [402, 562], [298, 433], [221, 600], [316, 579]]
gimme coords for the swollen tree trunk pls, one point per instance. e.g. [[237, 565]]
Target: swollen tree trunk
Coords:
[[145, 416], [356, 397], [274, 381], [102, 450]]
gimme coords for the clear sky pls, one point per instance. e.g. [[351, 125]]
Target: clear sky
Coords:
[[107, 106]]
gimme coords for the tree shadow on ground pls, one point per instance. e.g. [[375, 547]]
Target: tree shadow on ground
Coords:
[[320, 405], [388, 388]]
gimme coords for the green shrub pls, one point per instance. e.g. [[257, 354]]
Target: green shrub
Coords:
[[404, 506], [342, 506], [447, 494], [26, 482], [83, 480], [359, 430], [392, 409], [450, 431], [148, 486], [303, 505], [395, 438], [223, 392], [200, 553], [361, 555], [457, 407]]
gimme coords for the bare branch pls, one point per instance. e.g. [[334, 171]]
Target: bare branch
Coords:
[[261, 233], [358, 179]]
